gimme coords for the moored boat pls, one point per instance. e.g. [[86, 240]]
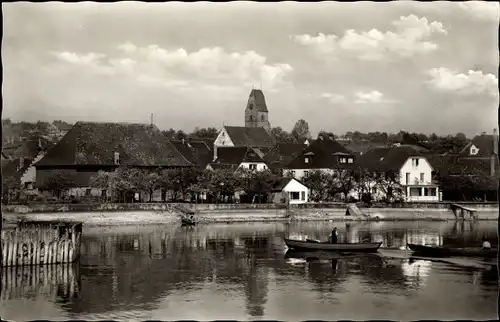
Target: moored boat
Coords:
[[189, 220], [325, 246], [437, 251]]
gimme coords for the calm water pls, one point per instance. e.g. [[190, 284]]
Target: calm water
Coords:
[[241, 271]]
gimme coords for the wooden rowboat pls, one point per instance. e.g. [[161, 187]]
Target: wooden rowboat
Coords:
[[325, 246], [436, 251]]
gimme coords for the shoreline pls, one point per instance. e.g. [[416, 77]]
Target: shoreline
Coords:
[[144, 217]]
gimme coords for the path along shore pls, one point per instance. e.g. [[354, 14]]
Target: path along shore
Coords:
[[150, 217]]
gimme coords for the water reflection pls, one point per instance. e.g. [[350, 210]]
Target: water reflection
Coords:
[[165, 268]]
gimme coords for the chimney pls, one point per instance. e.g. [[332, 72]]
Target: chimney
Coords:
[[215, 153]]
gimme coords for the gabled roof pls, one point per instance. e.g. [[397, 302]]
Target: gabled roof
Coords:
[[28, 148], [11, 167], [92, 143], [472, 166], [387, 158], [259, 100], [323, 157], [237, 155], [208, 141], [280, 183], [249, 136], [359, 146], [196, 152], [283, 153], [483, 142]]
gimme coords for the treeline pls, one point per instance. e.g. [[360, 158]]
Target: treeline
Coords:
[[298, 134]]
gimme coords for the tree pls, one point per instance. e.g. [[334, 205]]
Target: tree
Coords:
[[300, 131], [326, 134], [343, 180], [11, 187], [316, 180], [169, 133], [390, 185], [209, 132], [58, 181], [281, 136]]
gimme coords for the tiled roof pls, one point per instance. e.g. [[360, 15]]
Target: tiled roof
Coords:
[[28, 148], [283, 153], [280, 183], [236, 155], [196, 152], [11, 167], [483, 142], [472, 166], [387, 158], [249, 136], [259, 99], [323, 157], [89, 143], [208, 141], [359, 147]]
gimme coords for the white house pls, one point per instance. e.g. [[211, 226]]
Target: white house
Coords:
[[239, 136], [324, 154], [292, 189], [238, 157], [411, 171]]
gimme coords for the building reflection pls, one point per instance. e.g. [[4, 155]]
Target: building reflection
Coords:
[[60, 281]]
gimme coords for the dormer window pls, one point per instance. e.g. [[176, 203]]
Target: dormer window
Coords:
[[350, 160], [117, 158], [473, 150], [306, 160], [343, 160]]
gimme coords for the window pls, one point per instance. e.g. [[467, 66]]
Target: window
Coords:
[[415, 192], [87, 192], [350, 160], [343, 160], [302, 195], [407, 178], [414, 162], [473, 150], [293, 173], [432, 192], [117, 158], [422, 176], [252, 166], [294, 195], [306, 173], [251, 118], [262, 117], [306, 160], [250, 106], [426, 192]]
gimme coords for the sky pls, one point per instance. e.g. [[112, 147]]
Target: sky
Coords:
[[366, 66]]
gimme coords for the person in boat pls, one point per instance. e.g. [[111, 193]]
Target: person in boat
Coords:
[[334, 236], [486, 243]]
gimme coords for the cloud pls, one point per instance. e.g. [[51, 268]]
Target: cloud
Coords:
[[472, 83], [371, 97], [153, 64], [481, 10], [334, 98], [408, 39]]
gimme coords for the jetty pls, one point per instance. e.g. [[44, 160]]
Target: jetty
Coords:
[[460, 211], [353, 210], [41, 243]]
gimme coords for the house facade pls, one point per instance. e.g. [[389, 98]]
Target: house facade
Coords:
[[90, 147], [290, 190], [323, 154], [238, 158], [403, 171]]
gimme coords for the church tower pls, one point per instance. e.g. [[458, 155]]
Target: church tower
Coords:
[[256, 113]]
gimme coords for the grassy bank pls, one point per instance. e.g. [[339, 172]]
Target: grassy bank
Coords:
[[110, 218]]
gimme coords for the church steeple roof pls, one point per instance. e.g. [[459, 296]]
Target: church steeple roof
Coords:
[[259, 100]]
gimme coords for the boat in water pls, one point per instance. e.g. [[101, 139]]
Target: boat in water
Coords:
[[326, 246], [436, 251], [189, 220]]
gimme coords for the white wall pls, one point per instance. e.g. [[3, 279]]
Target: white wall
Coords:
[[300, 173], [423, 167], [223, 139], [295, 186], [260, 165], [30, 173]]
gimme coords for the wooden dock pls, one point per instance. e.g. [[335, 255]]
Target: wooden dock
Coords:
[[460, 211], [33, 282], [41, 243]]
